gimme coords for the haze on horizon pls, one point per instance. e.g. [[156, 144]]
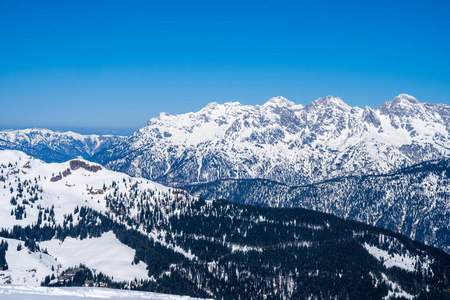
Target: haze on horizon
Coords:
[[110, 66]]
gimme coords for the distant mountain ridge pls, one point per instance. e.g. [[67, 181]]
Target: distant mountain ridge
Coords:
[[55, 146], [283, 141], [414, 201]]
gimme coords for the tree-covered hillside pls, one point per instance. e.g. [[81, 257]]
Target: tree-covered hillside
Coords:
[[58, 216], [414, 201]]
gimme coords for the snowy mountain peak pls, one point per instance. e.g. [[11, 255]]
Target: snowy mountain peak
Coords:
[[163, 115], [400, 104], [215, 109], [279, 101], [212, 105], [332, 98], [329, 102], [405, 97]]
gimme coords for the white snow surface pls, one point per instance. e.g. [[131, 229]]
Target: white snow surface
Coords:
[[405, 262], [105, 254], [16, 292], [25, 267]]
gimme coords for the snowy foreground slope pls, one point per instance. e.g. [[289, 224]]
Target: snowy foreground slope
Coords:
[[34, 192], [15, 292], [283, 141], [79, 224], [105, 254]]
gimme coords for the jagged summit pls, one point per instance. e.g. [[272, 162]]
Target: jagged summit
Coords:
[[212, 105], [327, 102], [400, 101], [278, 101], [279, 140], [284, 141], [406, 97], [216, 105], [370, 116]]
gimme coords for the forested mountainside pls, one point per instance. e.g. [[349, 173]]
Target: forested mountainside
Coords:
[[51, 146], [166, 240], [414, 201], [283, 141]]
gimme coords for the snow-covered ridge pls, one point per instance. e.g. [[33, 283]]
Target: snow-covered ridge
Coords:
[[284, 141], [55, 146], [63, 185]]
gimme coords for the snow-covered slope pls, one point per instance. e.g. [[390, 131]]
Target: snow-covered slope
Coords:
[[26, 267], [33, 192], [15, 292], [284, 141], [54, 146], [62, 186], [105, 254]]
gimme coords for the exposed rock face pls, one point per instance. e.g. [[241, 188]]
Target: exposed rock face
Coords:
[[76, 164]]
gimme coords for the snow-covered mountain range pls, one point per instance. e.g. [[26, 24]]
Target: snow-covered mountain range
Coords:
[[283, 141], [77, 223], [62, 219], [54, 146]]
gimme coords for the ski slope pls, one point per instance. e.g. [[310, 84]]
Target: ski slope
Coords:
[[15, 292]]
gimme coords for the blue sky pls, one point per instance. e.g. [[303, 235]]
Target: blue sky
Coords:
[[103, 65]]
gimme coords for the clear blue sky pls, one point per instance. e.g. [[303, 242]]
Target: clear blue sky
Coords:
[[91, 65]]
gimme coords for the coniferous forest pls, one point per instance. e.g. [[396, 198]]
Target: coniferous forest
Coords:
[[252, 252]]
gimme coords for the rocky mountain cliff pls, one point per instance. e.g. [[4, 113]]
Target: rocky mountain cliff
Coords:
[[283, 141]]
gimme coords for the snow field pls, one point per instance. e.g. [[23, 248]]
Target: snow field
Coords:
[[15, 292]]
